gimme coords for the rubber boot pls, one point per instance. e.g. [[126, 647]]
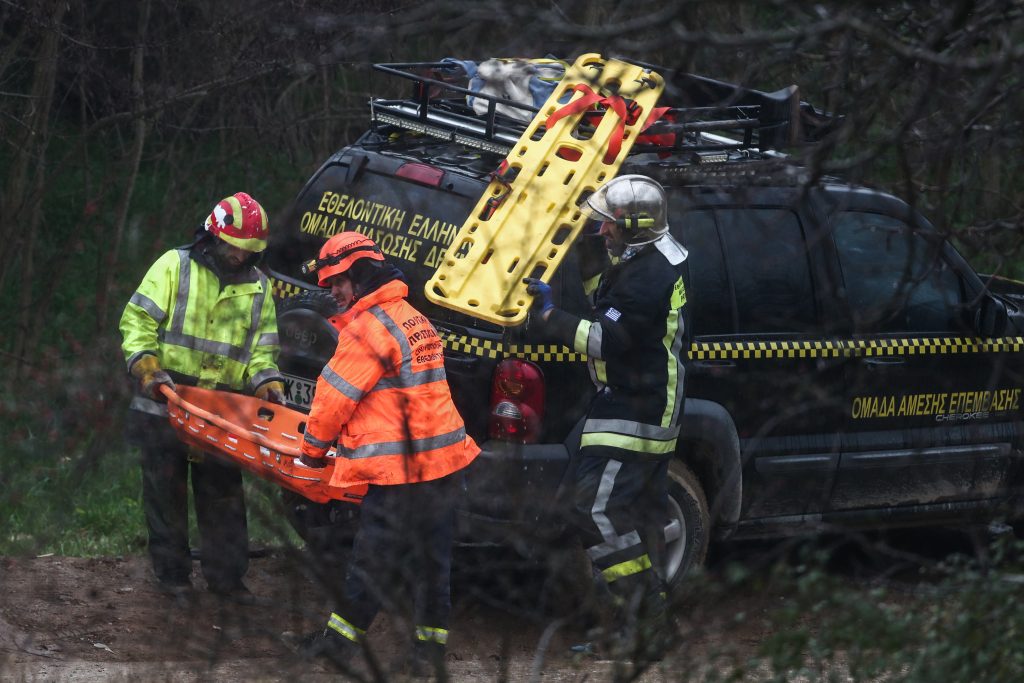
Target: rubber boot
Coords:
[[328, 645], [428, 660]]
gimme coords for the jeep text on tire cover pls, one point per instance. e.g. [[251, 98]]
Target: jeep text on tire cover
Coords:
[[847, 367]]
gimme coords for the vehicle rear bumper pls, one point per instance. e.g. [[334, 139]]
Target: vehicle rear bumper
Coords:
[[514, 494]]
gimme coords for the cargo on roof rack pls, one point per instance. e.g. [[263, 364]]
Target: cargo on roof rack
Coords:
[[698, 114]]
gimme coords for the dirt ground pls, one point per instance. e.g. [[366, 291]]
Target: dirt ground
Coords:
[[77, 619]]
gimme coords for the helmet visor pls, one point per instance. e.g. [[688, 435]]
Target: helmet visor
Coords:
[[596, 207]]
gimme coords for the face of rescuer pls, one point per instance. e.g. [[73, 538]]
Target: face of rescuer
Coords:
[[613, 240], [230, 258], [341, 290]]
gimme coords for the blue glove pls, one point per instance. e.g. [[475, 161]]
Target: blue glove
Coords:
[[541, 293]]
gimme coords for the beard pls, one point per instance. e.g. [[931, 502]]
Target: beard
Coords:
[[226, 263]]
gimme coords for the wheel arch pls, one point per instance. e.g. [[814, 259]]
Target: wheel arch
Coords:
[[710, 445]]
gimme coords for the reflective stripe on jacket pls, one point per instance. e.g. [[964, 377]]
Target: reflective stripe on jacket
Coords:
[[203, 334], [385, 393]]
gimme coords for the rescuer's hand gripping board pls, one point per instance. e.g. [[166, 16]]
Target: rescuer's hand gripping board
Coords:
[[527, 219]]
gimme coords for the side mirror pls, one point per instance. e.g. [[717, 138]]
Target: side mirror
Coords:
[[991, 318]]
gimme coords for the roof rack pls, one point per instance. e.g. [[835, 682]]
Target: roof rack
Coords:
[[705, 119], [438, 108]]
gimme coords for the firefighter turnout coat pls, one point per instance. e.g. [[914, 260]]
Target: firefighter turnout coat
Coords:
[[385, 397], [204, 332], [634, 343]]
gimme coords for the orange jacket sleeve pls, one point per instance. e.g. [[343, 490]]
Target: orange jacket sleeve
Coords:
[[359, 362]]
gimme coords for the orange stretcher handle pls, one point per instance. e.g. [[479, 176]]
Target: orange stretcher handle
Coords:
[[228, 426]]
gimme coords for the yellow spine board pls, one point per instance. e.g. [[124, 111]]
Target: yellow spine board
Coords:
[[537, 217]]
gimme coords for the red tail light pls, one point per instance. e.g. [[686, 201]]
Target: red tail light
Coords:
[[517, 402], [421, 173]]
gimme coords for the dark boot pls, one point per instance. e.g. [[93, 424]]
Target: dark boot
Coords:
[[237, 593], [180, 592], [428, 660], [328, 645]]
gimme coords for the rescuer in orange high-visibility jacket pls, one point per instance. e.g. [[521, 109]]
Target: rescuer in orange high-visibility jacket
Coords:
[[385, 398]]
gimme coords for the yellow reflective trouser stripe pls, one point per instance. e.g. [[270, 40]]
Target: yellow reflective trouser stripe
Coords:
[[628, 443], [627, 568], [432, 635], [344, 628]]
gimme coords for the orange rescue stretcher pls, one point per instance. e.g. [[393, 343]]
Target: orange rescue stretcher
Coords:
[[261, 437]]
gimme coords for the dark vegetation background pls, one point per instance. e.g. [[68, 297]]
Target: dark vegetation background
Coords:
[[121, 124]]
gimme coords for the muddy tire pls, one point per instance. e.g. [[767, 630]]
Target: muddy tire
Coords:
[[315, 300], [689, 526]]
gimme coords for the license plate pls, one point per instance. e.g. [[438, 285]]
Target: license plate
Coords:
[[298, 391]]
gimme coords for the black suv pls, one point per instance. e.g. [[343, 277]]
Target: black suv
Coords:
[[848, 367]]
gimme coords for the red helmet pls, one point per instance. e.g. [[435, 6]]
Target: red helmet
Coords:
[[240, 221], [341, 251]]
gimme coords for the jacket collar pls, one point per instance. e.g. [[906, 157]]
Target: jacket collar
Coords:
[[389, 291]]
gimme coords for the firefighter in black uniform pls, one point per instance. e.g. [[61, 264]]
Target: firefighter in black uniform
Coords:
[[634, 342]]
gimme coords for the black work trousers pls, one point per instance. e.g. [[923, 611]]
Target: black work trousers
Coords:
[[620, 513], [401, 559], [219, 502]]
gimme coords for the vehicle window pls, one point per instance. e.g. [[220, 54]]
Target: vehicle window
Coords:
[[709, 296], [767, 259], [896, 280]]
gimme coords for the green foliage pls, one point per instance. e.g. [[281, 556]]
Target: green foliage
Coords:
[[964, 625], [51, 507], [59, 508]]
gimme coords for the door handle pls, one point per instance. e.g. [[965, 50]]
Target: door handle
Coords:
[[461, 363], [713, 364], [884, 361]]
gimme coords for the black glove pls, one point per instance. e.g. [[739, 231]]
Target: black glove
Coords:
[[315, 463], [541, 293]]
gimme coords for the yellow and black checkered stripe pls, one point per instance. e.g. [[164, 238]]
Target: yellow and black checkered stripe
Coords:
[[282, 289], [486, 348], [840, 348], [853, 348], [837, 348]]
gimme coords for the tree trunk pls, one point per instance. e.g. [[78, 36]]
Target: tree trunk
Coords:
[[138, 143], [22, 204]]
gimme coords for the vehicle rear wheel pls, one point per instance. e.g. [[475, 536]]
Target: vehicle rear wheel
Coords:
[[315, 300], [688, 529]]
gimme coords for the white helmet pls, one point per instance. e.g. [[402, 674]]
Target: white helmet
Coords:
[[635, 203]]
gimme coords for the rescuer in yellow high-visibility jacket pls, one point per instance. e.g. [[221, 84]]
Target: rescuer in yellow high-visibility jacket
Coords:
[[203, 315], [385, 398]]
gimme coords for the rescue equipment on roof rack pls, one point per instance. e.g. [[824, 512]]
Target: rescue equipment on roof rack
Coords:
[[258, 436], [528, 217], [702, 114]]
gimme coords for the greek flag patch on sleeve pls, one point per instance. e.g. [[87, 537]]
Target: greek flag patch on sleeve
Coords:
[[613, 314]]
